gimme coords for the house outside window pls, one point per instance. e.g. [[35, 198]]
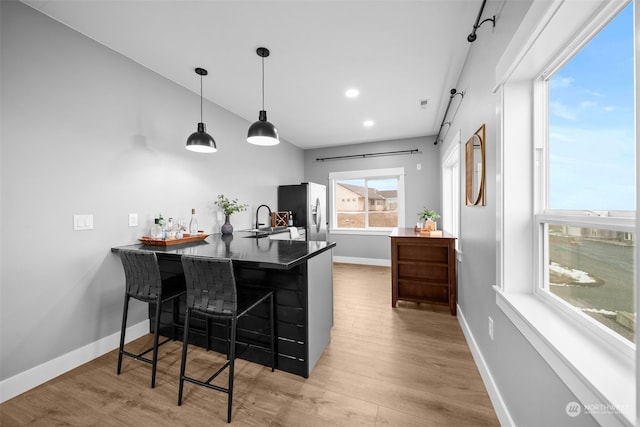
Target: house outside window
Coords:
[[368, 201]]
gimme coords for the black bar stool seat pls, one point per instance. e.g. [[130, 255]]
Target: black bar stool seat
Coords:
[[144, 283], [212, 293]]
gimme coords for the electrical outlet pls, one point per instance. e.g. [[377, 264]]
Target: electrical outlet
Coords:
[[419, 166], [133, 220], [491, 328]]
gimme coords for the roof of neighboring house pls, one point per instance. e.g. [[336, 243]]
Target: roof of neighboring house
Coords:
[[388, 194], [373, 193]]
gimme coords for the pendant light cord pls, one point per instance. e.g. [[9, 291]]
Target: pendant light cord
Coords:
[[263, 83], [201, 98]]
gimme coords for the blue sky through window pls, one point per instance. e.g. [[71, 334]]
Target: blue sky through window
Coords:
[[591, 123]]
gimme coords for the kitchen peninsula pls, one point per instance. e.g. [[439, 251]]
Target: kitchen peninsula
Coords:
[[300, 272]]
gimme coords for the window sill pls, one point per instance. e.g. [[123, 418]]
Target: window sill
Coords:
[[362, 232], [601, 379]]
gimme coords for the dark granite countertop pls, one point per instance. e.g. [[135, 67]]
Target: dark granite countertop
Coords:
[[264, 252]]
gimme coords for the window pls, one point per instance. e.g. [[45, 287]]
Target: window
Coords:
[[367, 201], [451, 188], [586, 212], [545, 218]]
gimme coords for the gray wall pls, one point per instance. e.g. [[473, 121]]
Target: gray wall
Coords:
[[87, 131], [533, 393], [422, 187], [84, 130]]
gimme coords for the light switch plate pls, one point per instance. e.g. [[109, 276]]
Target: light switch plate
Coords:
[[82, 222], [133, 220]]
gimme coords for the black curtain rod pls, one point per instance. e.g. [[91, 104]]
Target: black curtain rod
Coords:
[[453, 92], [362, 156], [472, 37]]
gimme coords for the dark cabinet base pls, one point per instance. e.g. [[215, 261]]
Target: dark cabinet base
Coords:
[[423, 268], [290, 318]]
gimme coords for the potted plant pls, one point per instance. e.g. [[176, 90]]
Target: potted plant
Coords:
[[228, 207], [429, 216]]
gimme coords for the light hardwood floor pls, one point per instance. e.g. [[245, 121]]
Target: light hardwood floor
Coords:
[[408, 366]]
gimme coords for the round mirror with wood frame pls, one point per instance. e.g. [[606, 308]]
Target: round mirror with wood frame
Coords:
[[475, 166]]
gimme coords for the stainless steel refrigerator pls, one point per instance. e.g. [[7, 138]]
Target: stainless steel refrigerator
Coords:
[[308, 203]]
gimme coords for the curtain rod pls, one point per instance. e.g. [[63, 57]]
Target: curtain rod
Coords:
[[362, 156], [453, 95]]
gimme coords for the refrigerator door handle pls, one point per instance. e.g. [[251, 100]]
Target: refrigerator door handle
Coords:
[[316, 215]]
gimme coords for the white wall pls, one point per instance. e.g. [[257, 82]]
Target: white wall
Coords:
[[532, 393], [87, 131]]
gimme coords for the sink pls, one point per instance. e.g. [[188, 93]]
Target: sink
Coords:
[[264, 232]]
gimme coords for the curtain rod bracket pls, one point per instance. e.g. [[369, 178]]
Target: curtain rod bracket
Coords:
[[472, 37]]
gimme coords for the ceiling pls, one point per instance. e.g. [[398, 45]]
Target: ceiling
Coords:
[[396, 53]]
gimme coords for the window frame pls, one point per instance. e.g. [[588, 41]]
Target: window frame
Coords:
[[550, 31], [543, 215], [366, 174]]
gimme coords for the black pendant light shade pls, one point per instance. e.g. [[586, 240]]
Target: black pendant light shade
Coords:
[[200, 141], [263, 132]]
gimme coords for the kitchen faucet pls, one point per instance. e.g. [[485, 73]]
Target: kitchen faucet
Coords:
[[258, 224]]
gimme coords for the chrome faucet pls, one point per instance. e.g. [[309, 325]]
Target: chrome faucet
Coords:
[[258, 224]]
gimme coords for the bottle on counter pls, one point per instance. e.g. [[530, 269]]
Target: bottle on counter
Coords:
[[170, 229], [156, 231], [163, 231], [193, 224], [290, 219]]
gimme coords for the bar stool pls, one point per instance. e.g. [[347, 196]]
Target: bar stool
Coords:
[[144, 283], [212, 293]]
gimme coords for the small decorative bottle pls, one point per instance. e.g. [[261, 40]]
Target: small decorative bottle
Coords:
[[163, 231], [156, 232], [290, 219], [193, 224]]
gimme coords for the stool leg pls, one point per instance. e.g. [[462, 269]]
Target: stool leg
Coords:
[[183, 362], [232, 358], [176, 310], [156, 335], [122, 330], [272, 330]]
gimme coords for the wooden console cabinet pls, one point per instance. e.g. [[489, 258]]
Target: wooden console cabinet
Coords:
[[423, 268]]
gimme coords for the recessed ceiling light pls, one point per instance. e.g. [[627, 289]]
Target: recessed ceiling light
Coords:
[[368, 123], [352, 93]]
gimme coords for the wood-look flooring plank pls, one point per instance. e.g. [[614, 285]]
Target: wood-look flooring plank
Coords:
[[404, 366]]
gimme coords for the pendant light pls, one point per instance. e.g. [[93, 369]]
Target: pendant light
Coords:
[[263, 132], [200, 141]]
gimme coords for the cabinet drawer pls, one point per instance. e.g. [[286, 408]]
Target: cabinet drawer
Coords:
[[433, 272], [427, 253]]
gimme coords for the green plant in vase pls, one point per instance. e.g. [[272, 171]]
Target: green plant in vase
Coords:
[[429, 216], [228, 207]]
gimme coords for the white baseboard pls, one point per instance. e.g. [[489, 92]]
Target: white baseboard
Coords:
[[40, 374], [494, 394], [364, 261]]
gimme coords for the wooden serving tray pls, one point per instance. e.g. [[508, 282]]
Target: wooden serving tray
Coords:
[[159, 242]]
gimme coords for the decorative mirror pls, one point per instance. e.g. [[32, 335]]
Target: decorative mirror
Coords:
[[474, 156]]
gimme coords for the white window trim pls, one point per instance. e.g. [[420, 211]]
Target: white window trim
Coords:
[[451, 187], [368, 173], [595, 373]]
